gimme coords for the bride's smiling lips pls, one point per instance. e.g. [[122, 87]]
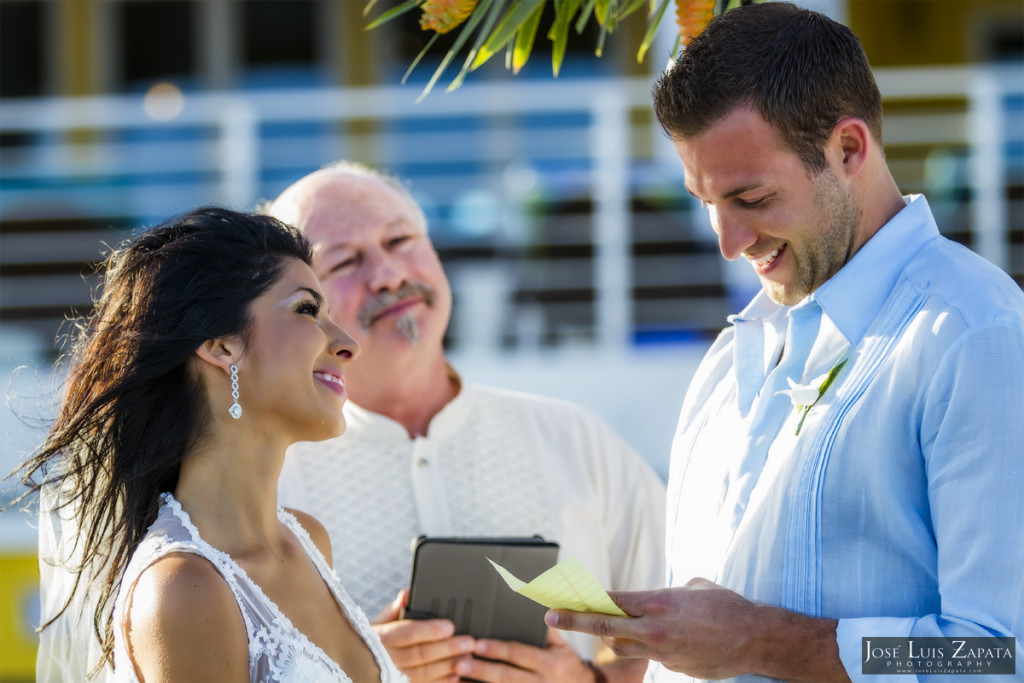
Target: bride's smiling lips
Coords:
[[332, 379]]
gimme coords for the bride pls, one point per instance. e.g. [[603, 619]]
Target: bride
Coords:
[[209, 353]]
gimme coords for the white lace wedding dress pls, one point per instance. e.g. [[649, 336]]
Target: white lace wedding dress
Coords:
[[277, 650]]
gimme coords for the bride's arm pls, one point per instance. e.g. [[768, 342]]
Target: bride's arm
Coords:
[[182, 624]]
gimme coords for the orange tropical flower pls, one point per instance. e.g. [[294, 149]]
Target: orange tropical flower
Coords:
[[442, 16], [693, 16]]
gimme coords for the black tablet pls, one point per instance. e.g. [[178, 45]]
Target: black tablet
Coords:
[[452, 579]]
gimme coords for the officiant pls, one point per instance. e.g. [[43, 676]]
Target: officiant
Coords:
[[428, 452]]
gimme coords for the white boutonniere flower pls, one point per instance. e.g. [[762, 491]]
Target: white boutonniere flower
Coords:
[[805, 396]]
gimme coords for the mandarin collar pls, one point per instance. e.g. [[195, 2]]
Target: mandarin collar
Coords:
[[377, 427]]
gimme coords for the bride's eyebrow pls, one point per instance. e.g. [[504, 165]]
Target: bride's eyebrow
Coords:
[[317, 296]]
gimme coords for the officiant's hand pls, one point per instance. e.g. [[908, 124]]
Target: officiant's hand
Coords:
[[519, 663], [425, 650]]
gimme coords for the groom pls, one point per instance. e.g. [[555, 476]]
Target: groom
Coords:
[[890, 501]]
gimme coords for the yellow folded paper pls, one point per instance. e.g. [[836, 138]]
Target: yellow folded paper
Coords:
[[567, 585]]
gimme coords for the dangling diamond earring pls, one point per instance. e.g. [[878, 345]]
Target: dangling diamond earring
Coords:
[[235, 410]]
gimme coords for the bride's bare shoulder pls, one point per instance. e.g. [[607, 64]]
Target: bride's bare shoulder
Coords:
[[182, 623]]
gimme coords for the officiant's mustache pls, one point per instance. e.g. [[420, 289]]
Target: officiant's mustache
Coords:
[[369, 313]]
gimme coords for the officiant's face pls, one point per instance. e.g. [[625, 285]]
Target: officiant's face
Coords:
[[795, 227], [381, 275]]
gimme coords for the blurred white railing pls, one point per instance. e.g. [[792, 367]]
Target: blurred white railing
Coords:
[[228, 153], [235, 150], [593, 140], [990, 129]]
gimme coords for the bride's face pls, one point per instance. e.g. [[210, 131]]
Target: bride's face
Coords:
[[291, 376]]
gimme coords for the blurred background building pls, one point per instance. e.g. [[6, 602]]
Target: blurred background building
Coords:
[[580, 267]]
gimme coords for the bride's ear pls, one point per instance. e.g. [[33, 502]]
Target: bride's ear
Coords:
[[221, 353]]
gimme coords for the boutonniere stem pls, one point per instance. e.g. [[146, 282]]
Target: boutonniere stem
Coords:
[[805, 397]]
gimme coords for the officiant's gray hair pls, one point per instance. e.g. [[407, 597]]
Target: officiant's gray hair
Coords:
[[354, 168]]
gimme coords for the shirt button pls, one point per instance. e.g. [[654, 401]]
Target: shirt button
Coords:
[[422, 462]]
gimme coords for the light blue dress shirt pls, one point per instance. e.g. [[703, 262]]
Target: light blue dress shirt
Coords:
[[898, 509]]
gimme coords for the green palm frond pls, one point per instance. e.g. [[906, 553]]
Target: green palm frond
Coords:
[[512, 25]]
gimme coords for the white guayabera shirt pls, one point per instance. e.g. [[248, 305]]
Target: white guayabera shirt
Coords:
[[495, 463]]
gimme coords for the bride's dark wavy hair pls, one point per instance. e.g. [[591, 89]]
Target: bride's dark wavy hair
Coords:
[[132, 408]]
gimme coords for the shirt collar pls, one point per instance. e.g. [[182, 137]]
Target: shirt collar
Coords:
[[760, 307], [853, 297], [380, 427]]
